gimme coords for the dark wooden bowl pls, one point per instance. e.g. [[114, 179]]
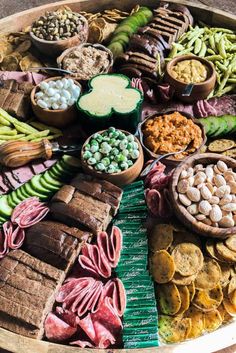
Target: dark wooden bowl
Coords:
[[53, 48], [77, 75], [122, 178], [200, 90], [170, 160], [183, 215], [58, 118]]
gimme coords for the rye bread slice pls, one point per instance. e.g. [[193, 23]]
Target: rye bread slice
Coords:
[[168, 37], [165, 22]]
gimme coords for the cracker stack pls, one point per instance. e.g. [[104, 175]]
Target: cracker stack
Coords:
[[140, 317]]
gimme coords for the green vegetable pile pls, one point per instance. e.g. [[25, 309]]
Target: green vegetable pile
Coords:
[[126, 28], [111, 152], [217, 45], [219, 125]]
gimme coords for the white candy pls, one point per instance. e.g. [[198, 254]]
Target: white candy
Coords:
[[42, 104], [44, 85], [65, 83], [66, 94], [63, 106], [55, 106], [71, 101], [50, 91], [39, 94], [59, 84]]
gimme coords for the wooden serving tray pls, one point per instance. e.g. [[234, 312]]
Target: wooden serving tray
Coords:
[[219, 339]]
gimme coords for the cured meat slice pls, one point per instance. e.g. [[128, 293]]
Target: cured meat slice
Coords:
[[110, 246], [115, 290], [3, 244], [99, 262], [33, 217], [22, 206], [15, 238], [57, 329]]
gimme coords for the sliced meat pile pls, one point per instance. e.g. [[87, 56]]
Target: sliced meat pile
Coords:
[[55, 243], [90, 311], [13, 178], [100, 258], [28, 288], [148, 47], [157, 193], [87, 202]]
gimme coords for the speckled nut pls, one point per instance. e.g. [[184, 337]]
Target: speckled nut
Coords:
[[226, 222], [191, 180], [222, 166], [230, 207], [183, 186], [229, 178], [219, 180], [230, 175], [210, 187], [205, 193], [184, 200], [199, 167], [209, 172], [190, 171], [216, 170], [215, 213], [193, 194], [226, 199], [207, 221], [222, 190], [232, 185], [183, 174], [200, 217], [214, 200], [204, 207], [199, 178], [193, 209]]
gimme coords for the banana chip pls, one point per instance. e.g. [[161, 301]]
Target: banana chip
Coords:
[[226, 253], [221, 145], [197, 320], [209, 276], [231, 243], [207, 300], [188, 259], [29, 61], [174, 329], [161, 237], [169, 298], [24, 46], [183, 280], [185, 299], [162, 266], [192, 290], [212, 320], [10, 63], [229, 307]]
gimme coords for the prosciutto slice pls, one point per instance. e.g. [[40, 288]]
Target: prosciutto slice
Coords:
[[101, 258], [57, 329], [15, 238]]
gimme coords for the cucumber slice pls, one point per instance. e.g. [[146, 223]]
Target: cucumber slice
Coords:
[[231, 122], [50, 187], [5, 208], [223, 127], [31, 192], [36, 185], [206, 123], [20, 195], [61, 171], [15, 198], [66, 169], [128, 28], [10, 201], [72, 162], [51, 181], [57, 172], [3, 219], [214, 125], [54, 175], [23, 193]]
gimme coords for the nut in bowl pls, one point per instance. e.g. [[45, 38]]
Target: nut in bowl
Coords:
[[186, 70], [114, 155], [170, 132], [86, 60], [203, 194], [53, 101], [58, 30]]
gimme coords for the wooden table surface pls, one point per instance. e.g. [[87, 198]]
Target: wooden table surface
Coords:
[[9, 7]]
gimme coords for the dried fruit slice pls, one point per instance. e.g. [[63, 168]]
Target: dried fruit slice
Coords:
[[183, 280], [161, 237], [192, 290], [209, 276], [221, 145], [207, 300], [232, 298], [162, 266], [232, 285], [224, 314], [197, 319], [185, 299], [169, 298], [188, 259], [212, 320], [231, 243], [226, 253], [10, 63], [174, 330]]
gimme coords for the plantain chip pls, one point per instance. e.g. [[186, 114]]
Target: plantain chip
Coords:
[[24, 46], [232, 285], [225, 252], [231, 243], [192, 290], [197, 319], [207, 300], [224, 314], [183, 280], [212, 320], [95, 34], [188, 259], [212, 252], [225, 274], [29, 61], [161, 237], [221, 145], [185, 299], [169, 298], [183, 236], [209, 276], [162, 266], [174, 330]]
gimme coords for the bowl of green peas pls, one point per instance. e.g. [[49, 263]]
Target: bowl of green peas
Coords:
[[113, 155]]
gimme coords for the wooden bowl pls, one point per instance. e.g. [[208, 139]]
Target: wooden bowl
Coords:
[[77, 75], [170, 160], [53, 48], [122, 178], [200, 90], [58, 118], [183, 215]]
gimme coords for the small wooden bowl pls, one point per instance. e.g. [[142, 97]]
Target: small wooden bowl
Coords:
[[183, 215], [58, 118], [200, 90], [78, 75], [170, 160], [122, 178], [53, 48]]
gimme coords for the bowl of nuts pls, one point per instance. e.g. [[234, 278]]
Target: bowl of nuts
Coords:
[[58, 30], [203, 194]]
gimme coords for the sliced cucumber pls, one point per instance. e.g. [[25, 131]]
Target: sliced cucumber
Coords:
[[32, 192], [15, 199], [3, 219], [206, 123], [231, 122], [36, 185], [213, 125], [20, 195], [5, 208], [49, 186], [50, 180], [222, 127], [54, 174]]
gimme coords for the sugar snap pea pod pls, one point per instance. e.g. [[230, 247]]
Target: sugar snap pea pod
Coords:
[[50, 137], [197, 46], [212, 42], [232, 80], [6, 116], [224, 81], [185, 51], [203, 50], [223, 30], [41, 127], [220, 66], [193, 40], [24, 128], [8, 132], [221, 47], [213, 57], [173, 51], [210, 51], [211, 94], [11, 137], [35, 135], [5, 122], [231, 36], [226, 90], [182, 38]]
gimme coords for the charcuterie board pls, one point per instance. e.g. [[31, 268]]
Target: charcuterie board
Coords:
[[115, 259]]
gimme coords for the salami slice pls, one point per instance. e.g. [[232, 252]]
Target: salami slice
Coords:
[[4, 249], [110, 246], [83, 344], [115, 290], [16, 238], [17, 212], [33, 217], [57, 329], [92, 254]]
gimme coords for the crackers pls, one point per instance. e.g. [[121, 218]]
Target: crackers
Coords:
[[188, 259], [162, 266], [209, 276], [221, 145]]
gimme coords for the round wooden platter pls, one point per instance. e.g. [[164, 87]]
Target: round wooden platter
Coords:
[[224, 336]]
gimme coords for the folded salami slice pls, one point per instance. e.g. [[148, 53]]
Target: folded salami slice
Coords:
[[110, 246], [99, 262], [15, 238], [57, 329], [17, 212], [115, 290], [4, 249], [34, 216]]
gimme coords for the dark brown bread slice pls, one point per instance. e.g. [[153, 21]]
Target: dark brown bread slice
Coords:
[[20, 327], [146, 44], [65, 194], [167, 24], [3, 96], [167, 17], [168, 37], [167, 29], [179, 15], [23, 109], [130, 71], [13, 102]]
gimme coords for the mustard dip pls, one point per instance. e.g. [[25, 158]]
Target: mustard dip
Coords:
[[190, 71]]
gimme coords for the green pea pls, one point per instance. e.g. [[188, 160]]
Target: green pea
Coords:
[[87, 155], [105, 161], [111, 129], [111, 169], [129, 146], [123, 144], [115, 151], [135, 154], [94, 148], [87, 147], [120, 158], [98, 137], [121, 136], [130, 138], [91, 161], [130, 163], [124, 165], [93, 142], [100, 166], [97, 156]]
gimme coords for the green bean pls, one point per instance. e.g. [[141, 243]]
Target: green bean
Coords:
[[213, 57], [50, 137], [223, 30], [203, 50], [220, 66], [3, 121], [224, 81], [231, 36], [210, 51], [173, 51], [232, 80], [221, 47], [11, 137], [212, 42], [6, 116], [24, 128], [227, 89], [35, 135], [41, 127], [197, 46], [8, 132]]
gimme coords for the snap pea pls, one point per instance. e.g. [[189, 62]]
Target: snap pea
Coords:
[[221, 48], [214, 57], [8, 132], [203, 50], [35, 135], [3, 121], [41, 127], [232, 80], [226, 90], [220, 66], [197, 46], [212, 42], [24, 128], [210, 51], [50, 137], [11, 137], [222, 30]]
